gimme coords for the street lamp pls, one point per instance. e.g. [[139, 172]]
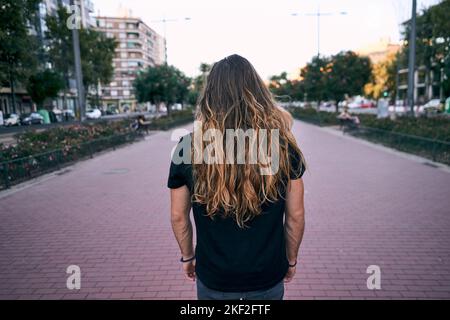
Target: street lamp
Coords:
[[78, 71], [412, 58], [164, 22], [319, 15]]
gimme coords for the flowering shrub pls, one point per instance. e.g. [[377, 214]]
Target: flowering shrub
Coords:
[[68, 138]]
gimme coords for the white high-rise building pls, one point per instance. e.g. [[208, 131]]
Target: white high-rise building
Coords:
[[139, 47]]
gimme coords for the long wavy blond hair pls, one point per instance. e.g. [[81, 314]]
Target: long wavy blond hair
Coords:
[[235, 97]]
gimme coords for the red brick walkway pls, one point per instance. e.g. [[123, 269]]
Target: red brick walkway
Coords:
[[110, 216]]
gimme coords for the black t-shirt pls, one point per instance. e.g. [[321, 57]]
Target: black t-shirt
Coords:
[[232, 259]]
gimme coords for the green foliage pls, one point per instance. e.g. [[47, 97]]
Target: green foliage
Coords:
[[311, 115], [431, 128], [333, 78], [97, 54], [162, 84], [97, 51], [198, 84], [175, 119], [347, 74], [67, 138], [43, 85], [314, 80], [404, 134], [17, 46], [60, 48], [281, 87], [433, 41]]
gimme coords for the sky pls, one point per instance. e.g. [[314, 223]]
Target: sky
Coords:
[[265, 31]]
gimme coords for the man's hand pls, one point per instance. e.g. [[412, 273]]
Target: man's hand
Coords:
[[189, 270], [290, 274]]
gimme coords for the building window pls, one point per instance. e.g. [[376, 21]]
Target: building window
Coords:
[[123, 45], [122, 26], [113, 84], [101, 23], [126, 93], [122, 36], [109, 25], [125, 83], [113, 93], [123, 55]]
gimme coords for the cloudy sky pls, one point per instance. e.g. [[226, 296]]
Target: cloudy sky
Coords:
[[264, 31]]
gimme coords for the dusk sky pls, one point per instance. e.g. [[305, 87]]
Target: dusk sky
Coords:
[[264, 31]]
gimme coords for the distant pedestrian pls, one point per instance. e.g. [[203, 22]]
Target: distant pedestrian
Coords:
[[142, 124], [347, 120], [249, 226]]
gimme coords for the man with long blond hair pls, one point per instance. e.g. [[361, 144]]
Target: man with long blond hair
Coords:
[[248, 212]]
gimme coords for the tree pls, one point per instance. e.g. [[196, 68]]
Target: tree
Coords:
[[162, 84], [315, 80], [281, 86], [43, 85], [433, 41], [16, 43], [97, 53], [346, 75], [60, 47], [383, 81], [198, 83]]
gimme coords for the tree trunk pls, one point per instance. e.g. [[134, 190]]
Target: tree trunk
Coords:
[[65, 91], [13, 91], [168, 109], [97, 93]]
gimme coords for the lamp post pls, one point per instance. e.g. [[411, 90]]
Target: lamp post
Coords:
[[412, 59], [78, 70], [164, 22], [319, 14]]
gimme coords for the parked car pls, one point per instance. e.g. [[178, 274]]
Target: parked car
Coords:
[[93, 114], [12, 120], [432, 106], [360, 102], [31, 118]]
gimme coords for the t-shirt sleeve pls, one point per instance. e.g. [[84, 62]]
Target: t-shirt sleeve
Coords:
[[177, 173], [297, 164], [176, 177]]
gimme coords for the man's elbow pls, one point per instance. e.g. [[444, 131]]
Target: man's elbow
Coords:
[[297, 216], [178, 218]]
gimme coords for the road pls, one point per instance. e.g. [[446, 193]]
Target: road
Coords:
[[110, 216]]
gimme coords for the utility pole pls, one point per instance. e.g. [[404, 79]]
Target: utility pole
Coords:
[[164, 22], [412, 59], [77, 58], [319, 14]]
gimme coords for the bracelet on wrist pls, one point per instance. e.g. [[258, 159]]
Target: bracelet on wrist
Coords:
[[187, 260], [293, 265]]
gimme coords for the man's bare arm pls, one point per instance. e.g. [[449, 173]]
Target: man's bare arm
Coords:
[[294, 222], [181, 223]]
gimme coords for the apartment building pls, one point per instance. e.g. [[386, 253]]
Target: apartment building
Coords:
[[139, 47]]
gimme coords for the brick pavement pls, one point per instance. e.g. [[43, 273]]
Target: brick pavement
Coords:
[[110, 216]]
